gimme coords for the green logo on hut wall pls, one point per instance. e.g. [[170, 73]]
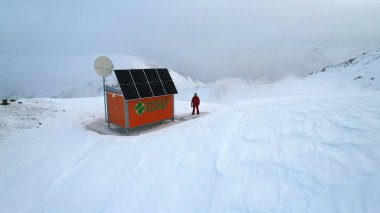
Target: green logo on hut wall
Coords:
[[150, 106], [140, 108]]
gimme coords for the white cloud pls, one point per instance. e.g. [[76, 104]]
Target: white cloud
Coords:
[[205, 39]]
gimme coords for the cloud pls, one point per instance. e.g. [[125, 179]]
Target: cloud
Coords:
[[204, 39]]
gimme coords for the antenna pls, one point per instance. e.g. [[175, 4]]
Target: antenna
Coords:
[[104, 67]]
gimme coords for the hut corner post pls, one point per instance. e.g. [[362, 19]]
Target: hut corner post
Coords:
[[105, 101]]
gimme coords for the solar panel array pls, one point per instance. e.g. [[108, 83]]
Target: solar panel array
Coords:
[[143, 83]]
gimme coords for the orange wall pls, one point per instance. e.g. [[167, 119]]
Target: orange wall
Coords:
[[149, 110], [115, 104]]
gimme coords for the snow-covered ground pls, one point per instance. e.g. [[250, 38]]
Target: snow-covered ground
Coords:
[[299, 145], [290, 154]]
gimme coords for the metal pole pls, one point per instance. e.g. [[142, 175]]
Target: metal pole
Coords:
[[105, 101]]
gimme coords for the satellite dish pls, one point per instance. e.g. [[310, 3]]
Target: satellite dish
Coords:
[[103, 66]]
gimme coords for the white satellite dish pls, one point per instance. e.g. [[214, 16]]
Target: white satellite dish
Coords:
[[103, 66]]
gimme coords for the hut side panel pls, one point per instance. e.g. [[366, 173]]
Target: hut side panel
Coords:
[[115, 106], [150, 110]]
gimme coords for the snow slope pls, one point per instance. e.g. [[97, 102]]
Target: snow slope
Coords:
[[362, 71], [289, 154], [91, 89]]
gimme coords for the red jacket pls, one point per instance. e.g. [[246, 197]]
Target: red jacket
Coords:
[[195, 101]]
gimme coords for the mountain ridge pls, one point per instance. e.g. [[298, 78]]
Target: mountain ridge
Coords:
[[94, 88], [362, 71]]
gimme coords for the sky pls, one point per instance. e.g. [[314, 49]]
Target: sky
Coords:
[[46, 44]]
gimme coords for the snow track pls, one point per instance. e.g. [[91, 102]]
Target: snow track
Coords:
[[101, 127]]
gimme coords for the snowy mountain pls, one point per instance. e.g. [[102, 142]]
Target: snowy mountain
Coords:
[[362, 71], [329, 52], [95, 88], [298, 145], [357, 74], [91, 89], [183, 81], [74, 77]]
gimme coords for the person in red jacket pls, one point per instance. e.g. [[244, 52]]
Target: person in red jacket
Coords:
[[195, 103]]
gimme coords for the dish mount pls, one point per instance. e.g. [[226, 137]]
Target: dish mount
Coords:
[[104, 67]]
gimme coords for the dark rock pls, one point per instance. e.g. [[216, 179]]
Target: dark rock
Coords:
[[373, 78], [12, 100], [19, 102], [359, 77], [347, 63], [4, 102], [351, 60]]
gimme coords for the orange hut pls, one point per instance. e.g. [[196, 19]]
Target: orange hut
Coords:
[[141, 97]]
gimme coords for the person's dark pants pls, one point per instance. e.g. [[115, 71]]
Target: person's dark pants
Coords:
[[194, 106]]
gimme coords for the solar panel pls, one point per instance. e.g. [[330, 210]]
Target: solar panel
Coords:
[[123, 77], [169, 87], [164, 74], [157, 88], [129, 91], [144, 90], [143, 83], [138, 76], [152, 75]]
